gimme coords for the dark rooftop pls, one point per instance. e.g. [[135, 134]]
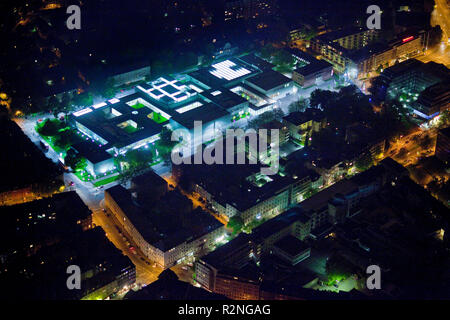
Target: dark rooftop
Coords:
[[291, 245], [149, 178], [268, 80], [168, 229], [255, 61], [225, 99], [445, 132], [313, 67], [205, 113], [278, 223], [91, 151]]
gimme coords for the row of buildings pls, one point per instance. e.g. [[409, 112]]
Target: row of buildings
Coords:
[[288, 238], [166, 229], [360, 51]]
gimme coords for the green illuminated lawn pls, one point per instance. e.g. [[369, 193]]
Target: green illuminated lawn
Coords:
[[157, 117], [83, 175], [138, 106], [106, 181], [130, 129]]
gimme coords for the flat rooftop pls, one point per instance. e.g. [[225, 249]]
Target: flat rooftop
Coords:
[[205, 113], [224, 72], [278, 223], [256, 61], [149, 178], [219, 256], [224, 98], [313, 67], [291, 245], [161, 230], [268, 80], [91, 151], [117, 122]]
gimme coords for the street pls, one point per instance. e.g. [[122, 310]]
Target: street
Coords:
[[440, 16], [410, 143], [146, 271], [439, 54]]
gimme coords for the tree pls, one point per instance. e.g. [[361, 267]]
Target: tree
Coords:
[[337, 269], [284, 61], [139, 158], [53, 104], [444, 119], [74, 160], [108, 89], [236, 223], [321, 97], [265, 118], [48, 128], [83, 99], [298, 106], [364, 162], [267, 51], [165, 144], [64, 139], [66, 102]]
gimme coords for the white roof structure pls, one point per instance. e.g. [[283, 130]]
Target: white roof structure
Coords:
[[167, 88], [225, 70]]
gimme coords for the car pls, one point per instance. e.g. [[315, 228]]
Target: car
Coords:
[[71, 183]]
